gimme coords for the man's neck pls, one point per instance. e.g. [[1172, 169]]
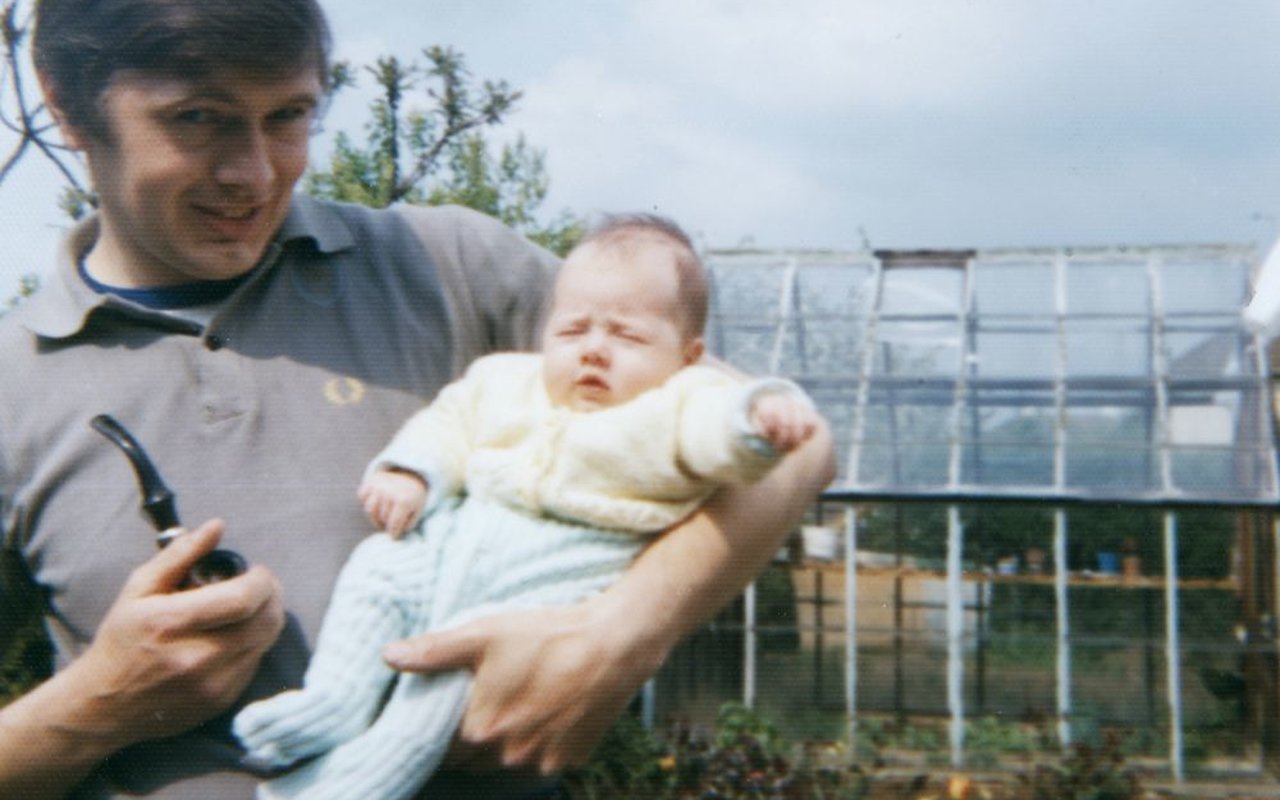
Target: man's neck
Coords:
[[164, 298]]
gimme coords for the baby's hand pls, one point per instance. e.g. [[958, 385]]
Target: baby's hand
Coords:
[[784, 421], [393, 499]]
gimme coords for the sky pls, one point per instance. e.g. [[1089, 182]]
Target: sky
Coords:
[[847, 123]]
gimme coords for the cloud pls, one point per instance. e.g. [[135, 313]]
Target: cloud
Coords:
[[817, 55], [996, 57], [626, 142]]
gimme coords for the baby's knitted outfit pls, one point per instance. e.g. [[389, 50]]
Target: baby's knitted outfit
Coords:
[[531, 506]]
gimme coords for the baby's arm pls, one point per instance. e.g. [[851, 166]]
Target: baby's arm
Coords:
[[785, 421], [393, 499]]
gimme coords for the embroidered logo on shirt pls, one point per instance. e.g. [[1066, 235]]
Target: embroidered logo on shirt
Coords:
[[344, 391]]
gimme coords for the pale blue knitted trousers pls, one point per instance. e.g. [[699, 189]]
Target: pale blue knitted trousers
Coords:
[[464, 561]]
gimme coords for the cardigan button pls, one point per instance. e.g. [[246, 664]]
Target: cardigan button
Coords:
[[215, 342]]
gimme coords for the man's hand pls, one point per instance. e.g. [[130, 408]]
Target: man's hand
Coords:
[[165, 660], [548, 685], [393, 499], [162, 661]]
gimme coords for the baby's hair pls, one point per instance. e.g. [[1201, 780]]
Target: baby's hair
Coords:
[[624, 230]]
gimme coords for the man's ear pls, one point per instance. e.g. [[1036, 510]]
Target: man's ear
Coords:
[[693, 350], [72, 136]]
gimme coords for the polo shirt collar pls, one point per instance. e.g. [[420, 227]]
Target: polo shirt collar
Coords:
[[62, 307]]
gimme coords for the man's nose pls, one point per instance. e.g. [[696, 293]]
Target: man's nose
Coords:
[[245, 160]]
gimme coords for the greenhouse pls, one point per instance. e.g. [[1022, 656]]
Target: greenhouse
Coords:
[[1049, 460]]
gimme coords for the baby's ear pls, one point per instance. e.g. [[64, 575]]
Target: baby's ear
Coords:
[[693, 350]]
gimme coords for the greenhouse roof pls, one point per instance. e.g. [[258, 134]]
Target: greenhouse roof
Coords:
[[1062, 375]]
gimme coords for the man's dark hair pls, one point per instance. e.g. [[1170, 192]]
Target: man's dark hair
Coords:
[[620, 230], [80, 44]]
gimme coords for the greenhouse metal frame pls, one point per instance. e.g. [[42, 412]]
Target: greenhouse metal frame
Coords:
[[1062, 377]]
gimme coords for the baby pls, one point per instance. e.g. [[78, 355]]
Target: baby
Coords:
[[532, 480]]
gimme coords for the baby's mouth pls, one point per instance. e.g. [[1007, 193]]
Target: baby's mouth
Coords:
[[593, 383]]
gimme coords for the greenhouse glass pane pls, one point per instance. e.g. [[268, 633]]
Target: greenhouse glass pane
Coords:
[[1204, 285], [1008, 435], [1022, 425], [922, 292], [837, 407], [918, 347], [748, 289], [1021, 288], [1005, 349], [823, 346], [994, 464], [1205, 350], [1110, 469], [903, 465], [837, 289], [1208, 471], [1027, 379], [748, 349], [1108, 287], [909, 421], [1101, 347]]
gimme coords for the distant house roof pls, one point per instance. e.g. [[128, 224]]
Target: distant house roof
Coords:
[[1064, 375]]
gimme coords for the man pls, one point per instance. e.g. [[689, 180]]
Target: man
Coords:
[[262, 346]]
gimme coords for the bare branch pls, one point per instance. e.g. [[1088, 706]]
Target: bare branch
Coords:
[[30, 121]]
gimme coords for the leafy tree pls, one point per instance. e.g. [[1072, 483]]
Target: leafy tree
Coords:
[[26, 287], [440, 154], [425, 155]]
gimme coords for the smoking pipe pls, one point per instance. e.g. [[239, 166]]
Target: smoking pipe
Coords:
[[158, 504]]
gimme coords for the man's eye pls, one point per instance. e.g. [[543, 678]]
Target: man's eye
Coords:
[[199, 116], [292, 114]]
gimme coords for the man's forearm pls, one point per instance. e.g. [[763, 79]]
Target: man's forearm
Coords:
[[45, 748], [549, 682], [687, 575]]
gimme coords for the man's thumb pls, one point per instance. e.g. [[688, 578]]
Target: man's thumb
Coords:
[[459, 648], [168, 569]]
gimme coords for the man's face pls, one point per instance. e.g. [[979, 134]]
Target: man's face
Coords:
[[196, 175]]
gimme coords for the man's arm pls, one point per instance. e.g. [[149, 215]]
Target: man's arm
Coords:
[[162, 662], [550, 682]]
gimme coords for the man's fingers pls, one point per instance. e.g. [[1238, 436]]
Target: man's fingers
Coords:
[[166, 571], [217, 605], [459, 648]]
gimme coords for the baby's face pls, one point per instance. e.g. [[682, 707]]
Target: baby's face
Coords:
[[614, 330]]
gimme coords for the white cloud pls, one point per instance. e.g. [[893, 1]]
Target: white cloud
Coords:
[[616, 144], [824, 54]]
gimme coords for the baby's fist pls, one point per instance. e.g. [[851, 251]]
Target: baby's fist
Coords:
[[784, 421], [393, 499]]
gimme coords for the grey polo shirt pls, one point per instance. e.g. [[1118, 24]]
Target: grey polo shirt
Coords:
[[265, 417]]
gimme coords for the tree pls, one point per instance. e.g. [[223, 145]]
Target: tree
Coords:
[[431, 156], [440, 155], [30, 120]]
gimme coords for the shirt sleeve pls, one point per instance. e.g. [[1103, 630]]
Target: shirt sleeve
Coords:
[[436, 442], [497, 281], [715, 436]]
